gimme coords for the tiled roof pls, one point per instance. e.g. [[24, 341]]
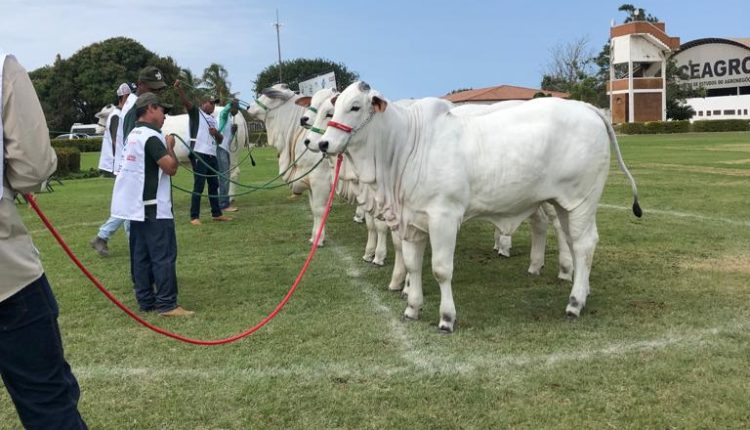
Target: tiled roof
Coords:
[[499, 93]]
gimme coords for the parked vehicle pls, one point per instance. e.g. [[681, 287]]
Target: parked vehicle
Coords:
[[71, 136]]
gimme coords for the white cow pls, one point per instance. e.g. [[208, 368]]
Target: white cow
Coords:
[[348, 187], [539, 220], [281, 110], [435, 174]]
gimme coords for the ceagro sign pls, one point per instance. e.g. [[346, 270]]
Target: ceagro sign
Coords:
[[311, 86], [715, 65]]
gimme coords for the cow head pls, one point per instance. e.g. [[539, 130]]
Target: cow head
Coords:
[[313, 104], [354, 109], [319, 123], [270, 99], [103, 114]]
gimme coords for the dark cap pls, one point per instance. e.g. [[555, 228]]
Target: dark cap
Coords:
[[148, 99], [151, 77]]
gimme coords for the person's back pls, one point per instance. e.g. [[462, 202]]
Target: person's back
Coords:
[[32, 363]]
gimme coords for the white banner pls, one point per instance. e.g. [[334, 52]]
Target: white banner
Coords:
[[311, 86]]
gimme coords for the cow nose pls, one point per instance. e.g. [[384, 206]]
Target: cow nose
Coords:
[[307, 142], [323, 144], [303, 121]]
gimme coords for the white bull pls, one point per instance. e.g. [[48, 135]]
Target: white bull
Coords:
[[436, 174], [180, 125], [281, 110]]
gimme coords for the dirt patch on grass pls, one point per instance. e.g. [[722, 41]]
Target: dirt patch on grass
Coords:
[[729, 264], [697, 169]]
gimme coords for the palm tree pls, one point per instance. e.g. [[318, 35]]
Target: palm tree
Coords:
[[215, 77]]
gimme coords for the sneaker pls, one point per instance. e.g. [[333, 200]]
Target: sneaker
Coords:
[[230, 209], [195, 221], [222, 218], [179, 311], [100, 245]]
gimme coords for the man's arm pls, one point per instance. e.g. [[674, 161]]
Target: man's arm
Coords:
[[183, 98], [168, 162], [113, 124], [29, 157]]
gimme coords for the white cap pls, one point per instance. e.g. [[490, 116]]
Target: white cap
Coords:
[[123, 90]]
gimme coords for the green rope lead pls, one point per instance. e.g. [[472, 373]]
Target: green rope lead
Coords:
[[217, 173]]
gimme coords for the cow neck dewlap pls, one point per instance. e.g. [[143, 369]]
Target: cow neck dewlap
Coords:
[[396, 147], [283, 127]]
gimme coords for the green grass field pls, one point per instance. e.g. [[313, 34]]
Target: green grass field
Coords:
[[662, 343]]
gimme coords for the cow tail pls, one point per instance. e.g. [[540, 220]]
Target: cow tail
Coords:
[[613, 141]]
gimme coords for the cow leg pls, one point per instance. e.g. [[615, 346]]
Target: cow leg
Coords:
[[413, 252], [317, 207], [381, 247], [580, 226], [443, 232], [564, 255], [371, 238], [503, 243], [538, 223], [398, 277], [359, 214]]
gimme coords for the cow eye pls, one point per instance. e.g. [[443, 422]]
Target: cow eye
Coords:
[[355, 108], [329, 115]]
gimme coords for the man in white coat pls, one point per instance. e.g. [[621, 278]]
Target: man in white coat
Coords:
[[143, 195]]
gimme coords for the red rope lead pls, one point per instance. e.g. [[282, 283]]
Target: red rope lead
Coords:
[[173, 335]]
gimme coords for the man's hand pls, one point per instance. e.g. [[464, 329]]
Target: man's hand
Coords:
[[212, 131], [234, 128]]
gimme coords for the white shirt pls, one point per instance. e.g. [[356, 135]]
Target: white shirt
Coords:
[[127, 195], [204, 142], [107, 157]]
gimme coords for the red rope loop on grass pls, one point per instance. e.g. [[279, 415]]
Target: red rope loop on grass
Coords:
[[173, 335]]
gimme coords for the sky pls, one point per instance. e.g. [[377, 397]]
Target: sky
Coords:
[[403, 48]]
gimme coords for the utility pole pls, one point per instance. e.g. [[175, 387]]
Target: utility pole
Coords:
[[278, 41]]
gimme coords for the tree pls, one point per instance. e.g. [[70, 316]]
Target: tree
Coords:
[[636, 14], [74, 89], [301, 69], [215, 78], [570, 71]]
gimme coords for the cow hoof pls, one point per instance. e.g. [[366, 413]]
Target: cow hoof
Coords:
[[358, 220], [320, 244], [378, 263], [536, 271], [404, 294], [411, 313], [368, 258], [565, 276], [396, 288], [503, 253], [573, 310], [405, 318], [445, 327]]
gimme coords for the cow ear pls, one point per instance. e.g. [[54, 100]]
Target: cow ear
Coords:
[[379, 104], [333, 100], [303, 101]]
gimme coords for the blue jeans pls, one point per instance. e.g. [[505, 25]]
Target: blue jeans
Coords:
[[203, 175], [153, 262], [32, 363], [110, 227], [222, 157]]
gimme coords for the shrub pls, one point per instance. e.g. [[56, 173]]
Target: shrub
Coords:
[[93, 144], [721, 125], [662, 127], [68, 160]]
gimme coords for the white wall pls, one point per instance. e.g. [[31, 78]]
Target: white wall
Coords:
[[740, 104]]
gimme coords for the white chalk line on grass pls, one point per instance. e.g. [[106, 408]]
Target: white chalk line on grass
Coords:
[[681, 215], [505, 366], [397, 329]]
